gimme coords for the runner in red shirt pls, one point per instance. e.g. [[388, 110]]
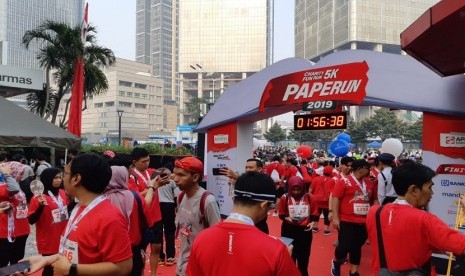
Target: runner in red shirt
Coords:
[[352, 197], [277, 171], [321, 189], [236, 246], [425, 232], [14, 227], [88, 246], [50, 214], [295, 213], [139, 181]]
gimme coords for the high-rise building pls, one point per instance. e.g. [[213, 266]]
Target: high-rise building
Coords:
[[200, 47], [133, 90], [18, 16], [326, 26]]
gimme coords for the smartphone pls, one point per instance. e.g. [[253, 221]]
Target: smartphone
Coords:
[[12, 269], [287, 241], [216, 171], [163, 175]]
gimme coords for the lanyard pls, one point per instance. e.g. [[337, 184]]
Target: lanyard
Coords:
[[245, 219], [300, 202], [145, 179], [72, 223], [362, 186], [58, 201], [11, 224]]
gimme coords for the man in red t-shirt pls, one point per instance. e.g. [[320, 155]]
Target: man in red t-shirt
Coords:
[[139, 181], [321, 189], [234, 245], [277, 171], [409, 233], [88, 246], [351, 200]]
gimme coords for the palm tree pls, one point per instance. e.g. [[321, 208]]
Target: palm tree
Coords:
[[61, 47]]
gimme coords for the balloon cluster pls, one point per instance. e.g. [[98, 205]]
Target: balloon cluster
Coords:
[[340, 146], [304, 151]]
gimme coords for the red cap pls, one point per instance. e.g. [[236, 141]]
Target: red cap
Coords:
[[328, 170], [295, 181], [191, 164]]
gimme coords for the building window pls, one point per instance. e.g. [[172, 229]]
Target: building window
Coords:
[[97, 105], [103, 114], [140, 85], [129, 94], [144, 96], [137, 95], [108, 104], [124, 104], [122, 93], [140, 106], [125, 83]]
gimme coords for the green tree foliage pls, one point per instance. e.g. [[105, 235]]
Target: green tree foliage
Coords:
[[61, 47], [194, 109], [275, 133], [414, 132]]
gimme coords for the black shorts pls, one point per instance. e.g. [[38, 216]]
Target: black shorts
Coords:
[[279, 192], [157, 231]]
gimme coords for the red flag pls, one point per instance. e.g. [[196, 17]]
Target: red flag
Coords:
[[77, 94]]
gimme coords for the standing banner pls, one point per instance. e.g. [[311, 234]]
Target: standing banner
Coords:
[[221, 152], [444, 152]]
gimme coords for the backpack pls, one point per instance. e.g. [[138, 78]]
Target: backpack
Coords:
[[146, 233], [203, 199]]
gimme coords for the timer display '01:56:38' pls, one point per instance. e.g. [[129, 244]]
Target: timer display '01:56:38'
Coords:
[[320, 121]]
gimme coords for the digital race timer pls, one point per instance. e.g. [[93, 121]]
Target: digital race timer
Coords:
[[320, 121]]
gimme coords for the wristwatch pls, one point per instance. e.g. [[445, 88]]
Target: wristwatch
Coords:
[[151, 187], [73, 270]]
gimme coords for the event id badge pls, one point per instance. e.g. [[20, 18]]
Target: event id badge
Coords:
[[21, 211], [361, 209], [60, 215], [69, 250], [185, 232], [298, 211]]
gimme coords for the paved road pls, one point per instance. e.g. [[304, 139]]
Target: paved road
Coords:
[[31, 248]]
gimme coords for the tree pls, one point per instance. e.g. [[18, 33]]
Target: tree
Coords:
[[275, 133], [193, 109], [414, 132], [61, 47]]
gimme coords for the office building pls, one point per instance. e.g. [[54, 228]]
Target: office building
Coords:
[[324, 27], [16, 17], [133, 90], [200, 47]]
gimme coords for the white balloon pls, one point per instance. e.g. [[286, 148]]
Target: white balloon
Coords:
[[393, 146], [255, 144]]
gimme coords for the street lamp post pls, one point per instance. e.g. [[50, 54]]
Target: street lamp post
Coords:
[[120, 114]]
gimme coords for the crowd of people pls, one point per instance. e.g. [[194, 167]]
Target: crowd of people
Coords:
[[97, 199]]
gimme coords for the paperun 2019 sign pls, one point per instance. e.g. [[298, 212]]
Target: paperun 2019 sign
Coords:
[[21, 77]]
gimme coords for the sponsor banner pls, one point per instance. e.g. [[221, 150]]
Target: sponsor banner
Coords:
[[18, 77], [345, 82], [222, 138], [218, 184], [458, 169], [444, 134]]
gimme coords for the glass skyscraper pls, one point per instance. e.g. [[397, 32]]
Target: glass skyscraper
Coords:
[[18, 16]]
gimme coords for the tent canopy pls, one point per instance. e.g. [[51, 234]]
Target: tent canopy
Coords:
[[21, 128], [394, 81]]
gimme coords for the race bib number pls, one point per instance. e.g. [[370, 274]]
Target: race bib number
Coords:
[[298, 212], [69, 250], [59, 216], [21, 211], [361, 209]]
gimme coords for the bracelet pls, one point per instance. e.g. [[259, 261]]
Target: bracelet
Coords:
[[73, 270], [151, 187]]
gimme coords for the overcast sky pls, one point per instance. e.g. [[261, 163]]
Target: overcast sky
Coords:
[[116, 25]]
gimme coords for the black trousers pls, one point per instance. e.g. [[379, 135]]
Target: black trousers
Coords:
[[12, 252], [325, 212], [137, 261], [302, 244], [168, 214], [352, 236]]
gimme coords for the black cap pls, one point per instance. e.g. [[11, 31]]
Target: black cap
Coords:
[[255, 186], [386, 157]]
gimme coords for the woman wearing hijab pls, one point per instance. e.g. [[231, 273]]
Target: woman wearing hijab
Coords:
[[294, 211], [49, 212], [118, 194]]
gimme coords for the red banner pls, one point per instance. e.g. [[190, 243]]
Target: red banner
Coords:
[[222, 138], [77, 95], [451, 169], [345, 82], [444, 134]]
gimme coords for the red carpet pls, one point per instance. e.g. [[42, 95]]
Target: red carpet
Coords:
[[320, 257]]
